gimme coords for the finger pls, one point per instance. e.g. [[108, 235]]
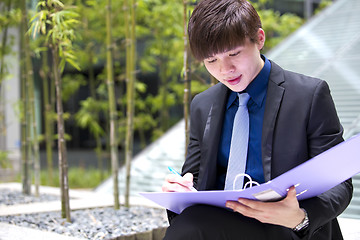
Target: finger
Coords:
[[250, 203], [165, 187], [178, 180], [186, 181], [174, 187], [242, 209], [232, 205], [189, 178]]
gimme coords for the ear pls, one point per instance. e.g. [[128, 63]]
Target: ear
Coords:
[[261, 38]]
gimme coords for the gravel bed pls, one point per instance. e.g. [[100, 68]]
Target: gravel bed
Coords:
[[10, 197], [98, 223]]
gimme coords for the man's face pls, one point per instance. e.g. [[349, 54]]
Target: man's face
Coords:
[[237, 67]]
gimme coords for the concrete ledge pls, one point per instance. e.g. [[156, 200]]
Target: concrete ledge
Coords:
[[350, 228], [159, 233], [12, 232]]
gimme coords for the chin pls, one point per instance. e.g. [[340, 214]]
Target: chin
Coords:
[[236, 88]]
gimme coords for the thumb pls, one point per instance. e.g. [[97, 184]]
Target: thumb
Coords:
[[292, 192], [189, 177]]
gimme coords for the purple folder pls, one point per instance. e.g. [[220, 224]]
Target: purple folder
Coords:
[[311, 178]]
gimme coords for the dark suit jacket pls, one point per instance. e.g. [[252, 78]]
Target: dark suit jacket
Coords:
[[300, 121]]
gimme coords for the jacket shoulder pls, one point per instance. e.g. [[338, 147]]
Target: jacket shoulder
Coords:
[[296, 83], [207, 98]]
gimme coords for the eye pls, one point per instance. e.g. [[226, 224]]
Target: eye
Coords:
[[234, 54], [212, 60]]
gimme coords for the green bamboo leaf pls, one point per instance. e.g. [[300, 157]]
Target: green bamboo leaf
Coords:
[[62, 65], [41, 4], [57, 3], [34, 29], [73, 64]]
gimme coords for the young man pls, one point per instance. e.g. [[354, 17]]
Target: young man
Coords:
[[291, 118]]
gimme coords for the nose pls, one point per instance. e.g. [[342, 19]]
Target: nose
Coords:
[[226, 67]]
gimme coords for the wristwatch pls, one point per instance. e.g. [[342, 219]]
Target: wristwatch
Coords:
[[304, 224]]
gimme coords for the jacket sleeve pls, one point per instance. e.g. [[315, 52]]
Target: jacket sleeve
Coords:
[[324, 131]]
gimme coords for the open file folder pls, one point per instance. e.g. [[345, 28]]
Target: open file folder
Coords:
[[311, 178]]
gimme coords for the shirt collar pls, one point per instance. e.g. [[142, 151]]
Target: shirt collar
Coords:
[[231, 99], [257, 88]]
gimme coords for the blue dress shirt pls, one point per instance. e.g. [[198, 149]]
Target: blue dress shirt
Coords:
[[256, 106]]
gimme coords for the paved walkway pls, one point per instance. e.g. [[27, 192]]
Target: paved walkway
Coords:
[[88, 199]]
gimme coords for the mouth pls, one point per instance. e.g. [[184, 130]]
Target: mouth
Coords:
[[234, 81]]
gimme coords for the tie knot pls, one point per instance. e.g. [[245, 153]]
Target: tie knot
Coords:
[[243, 98]]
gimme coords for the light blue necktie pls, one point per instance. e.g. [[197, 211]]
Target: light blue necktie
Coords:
[[239, 145]]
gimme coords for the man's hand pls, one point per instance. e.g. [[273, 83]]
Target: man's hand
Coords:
[[176, 183], [285, 213]]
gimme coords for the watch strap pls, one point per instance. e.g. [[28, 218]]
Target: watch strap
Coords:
[[304, 223]]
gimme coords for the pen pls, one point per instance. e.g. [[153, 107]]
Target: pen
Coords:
[[176, 173]]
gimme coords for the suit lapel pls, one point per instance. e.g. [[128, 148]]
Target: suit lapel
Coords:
[[274, 98], [211, 137]]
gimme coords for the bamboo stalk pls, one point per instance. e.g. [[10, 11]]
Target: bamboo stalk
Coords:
[[130, 99], [63, 165], [2, 89], [112, 107], [33, 145], [187, 81], [25, 146]]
